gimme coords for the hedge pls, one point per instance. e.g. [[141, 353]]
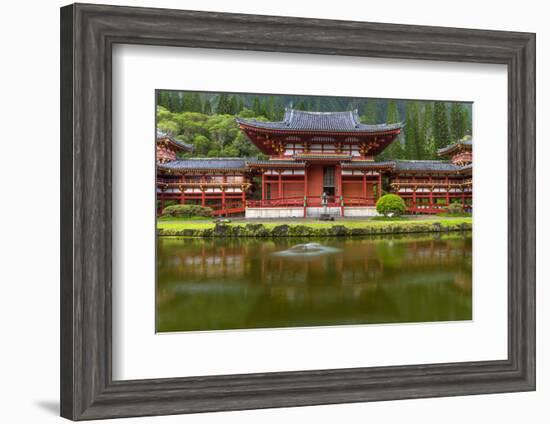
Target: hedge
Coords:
[[284, 230], [187, 211]]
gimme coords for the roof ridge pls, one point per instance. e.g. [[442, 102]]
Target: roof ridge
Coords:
[[420, 160]]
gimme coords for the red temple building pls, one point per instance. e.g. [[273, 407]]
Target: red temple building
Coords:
[[311, 156]]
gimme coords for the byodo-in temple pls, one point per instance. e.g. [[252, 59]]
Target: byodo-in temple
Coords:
[[318, 161]]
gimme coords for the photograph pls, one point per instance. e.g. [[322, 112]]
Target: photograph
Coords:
[[281, 211]]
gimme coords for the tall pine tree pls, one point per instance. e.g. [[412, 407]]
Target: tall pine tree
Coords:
[[414, 148], [207, 107], [440, 126], [395, 149], [371, 113], [459, 122], [256, 106], [195, 104], [233, 105], [224, 107]]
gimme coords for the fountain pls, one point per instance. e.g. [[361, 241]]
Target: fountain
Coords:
[[307, 249]]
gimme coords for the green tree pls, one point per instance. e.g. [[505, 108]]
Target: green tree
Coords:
[[195, 104], [371, 113], [207, 107], [390, 205], [426, 131], [224, 106], [413, 143], [201, 145], [395, 149], [233, 105], [459, 122], [440, 125], [256, 106]]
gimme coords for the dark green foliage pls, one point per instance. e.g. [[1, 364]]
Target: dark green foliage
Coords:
[[256, 107], [414, 145], [187, 211], [371, 113], [395, 150], [390, 204], [207, 107], [440, 125], [455, 209], [459, 122], [224, 105]]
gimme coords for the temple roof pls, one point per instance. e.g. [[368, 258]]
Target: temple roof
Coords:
[[204, 164], [241, 164], [275, 163], [295, 120], [177, 143], [337, 156], [368, 164], [427, 165], [465, 143]]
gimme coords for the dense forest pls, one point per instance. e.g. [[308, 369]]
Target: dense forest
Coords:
[[206, 120]]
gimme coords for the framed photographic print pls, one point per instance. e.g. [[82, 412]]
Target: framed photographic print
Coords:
[[263, 212]]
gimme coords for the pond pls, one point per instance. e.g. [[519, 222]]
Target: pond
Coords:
[[242, 283]]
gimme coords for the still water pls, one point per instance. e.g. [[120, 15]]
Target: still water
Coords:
[[215, 284]]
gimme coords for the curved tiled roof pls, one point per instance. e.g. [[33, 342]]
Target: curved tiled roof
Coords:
[[181, 144], [294, 119], [275, 162], [204, 164], [463, 143], [426, 165], [368, 164]]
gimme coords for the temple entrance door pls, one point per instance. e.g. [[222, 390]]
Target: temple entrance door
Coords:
[[328, 180]]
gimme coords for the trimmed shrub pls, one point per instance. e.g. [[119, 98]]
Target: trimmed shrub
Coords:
[[390, 204], [187, 211], [455, 209]]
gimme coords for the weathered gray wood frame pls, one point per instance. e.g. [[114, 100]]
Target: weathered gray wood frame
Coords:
[[88, 33]]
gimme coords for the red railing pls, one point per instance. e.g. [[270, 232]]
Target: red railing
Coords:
[[426, 209], [359, 201], [277, 203], [314, 201], [229, 211]]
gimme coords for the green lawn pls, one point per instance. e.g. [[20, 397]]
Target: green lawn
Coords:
[[195, 224]]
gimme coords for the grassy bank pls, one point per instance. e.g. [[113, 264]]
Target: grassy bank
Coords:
[[310, 227]]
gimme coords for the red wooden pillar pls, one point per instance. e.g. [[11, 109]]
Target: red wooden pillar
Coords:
[[431, 196], [338, 170], [223, 197], [340, 192], [203, 198], [263, 185], [280, 185], [305, 191], [182, 190], [447, 194], [414, 193], [379, 185], [365, 184], [243, 197]]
